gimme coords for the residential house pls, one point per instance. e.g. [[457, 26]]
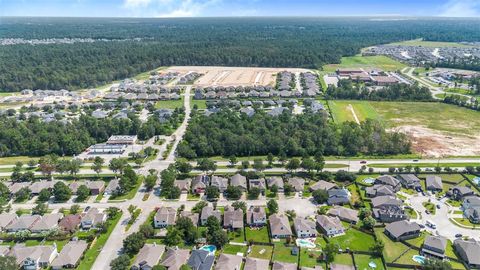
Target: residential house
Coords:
[[200, 183], [469, 251], [70, 255], [33, 257], [258, 183], [92, 218], [165, 216], [471, 208], [207, 212], [344, 214], [233, 219], [70, 223], [410, 181], [304, 228], [379, 190], [338, 197], [323, 185], [402, 230], [15, 187], [330, 226], [256, 216], [284, 266], [228, 262], [433, 183], [434, 246], [240, 181], [7, 219], [23, 223], [36, 187], [112, 187], [459, 192], [389, 180], [183, 185], [46, 223], [297, 183], [388, 209], [174, 258], [220, 182], [256, 264], [201, 260], [275, 181], [192, 216], [148, 256], [279, 226]]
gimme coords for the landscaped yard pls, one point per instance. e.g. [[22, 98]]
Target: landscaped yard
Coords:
[[343, 258], [354, 239], [430, 207], [308, 258], [237, 236], [259, 235], [169, 104], [392, 249], [261, 252], [129, 195], [234, 249], [407, 257], [362, 261], [283, 253]]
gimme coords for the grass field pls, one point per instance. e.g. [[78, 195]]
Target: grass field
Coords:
[[308, 258], [423, 165], [341, 110], [430, 44], [169, 104], [392, 249], [354, 239], [283, 253], [362, 261], [257, 235], [344, 258], [234, 249], [261, 252], [379, 61]]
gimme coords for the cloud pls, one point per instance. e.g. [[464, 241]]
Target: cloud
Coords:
[[461, 8], [168, 8]]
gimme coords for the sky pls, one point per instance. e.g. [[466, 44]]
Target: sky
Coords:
[[227, 8]]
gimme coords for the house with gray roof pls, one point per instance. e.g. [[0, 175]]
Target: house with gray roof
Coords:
[[379, 190], [33, 257], [459, 192], [220, 182], [46, 223], [297, 183], [433, 183], [7, 219], [112, 187], [284, 266], [207, 212], [256, 264], [148, 256], [410, 181], [165, 216], [228, 262], [183, 185], [344, 214], [258, 183], [70, 255], [36, 187], [249, 111], [402, 230], [275, 181], [192, 216], [323, 185], [174, 258], [469, 251], [256, 216], [471, 208], [279, 226], [23, 223], [233, 218], [304, 228], [93, 218], [240, 181], [434, 246], [338, 197], [389, 180], [200, 183], [201, 260], [330, 226]]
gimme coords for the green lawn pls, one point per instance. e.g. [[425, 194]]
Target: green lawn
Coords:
[[456, 178], [343, 258], [341, 111], [261, 252], [418, 242], [257, 235], [430, 207], [423, 165], [407, 258], [360, 178], [94, 250], [201, 104], [430, 44], [380, 62], [60, 244], [237, 236], [362, 261], [392, 249], [308, 258], [283, 253], [169, 104], [129, 195], [234, 249], [354, 239]]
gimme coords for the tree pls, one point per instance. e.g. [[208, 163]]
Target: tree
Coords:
[[344, 176], [32, 163], [288, 189], [122, 262], [274, 190], [240, 205], [40, 209], [44, 195], [185, 267], [150, 181], [183, 166], [173, 193], [22, 194], [245, 164], [258, 164], [212, 193], [378, 247], [438, 169], [197, 208], [308, 164], [187, 228], [206, 165], [74, 209], [417, 169], [173, 237], [233, 192], [112, 212], [364, 212], [8, 263], [147, 230], [61, 192], [436, 264], [270, 159], [368, 223], [272, 206], [117, 165], [330, 252], [98, 164], [293, 164], [82, 193], [320, 196], [254, 193], [47, 165], [391, 169], [74, 166], [133, 243], [233, 160]]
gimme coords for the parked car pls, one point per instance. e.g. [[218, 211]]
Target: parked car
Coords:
[[363, 162], [458, 235], [438, 206], [415, 160]]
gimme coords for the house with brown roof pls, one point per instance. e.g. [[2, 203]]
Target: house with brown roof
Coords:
[[70, 255], [228, 262], [174, 258], [95, 187], [36, 187], [70, 222], [33, 257], [279, 226], [344, 214], [148, 256], [15, 187], [192, 216], [256, 264], [219, 182], [256, 216], [165, 216], [233, 218], [92, 218], [304, 228], [183, 185], [23, 223], [297, 183], [284, 266], [207, 212], [240, 181], [7, 219], [330, 226], [275, 181], [46, 223]]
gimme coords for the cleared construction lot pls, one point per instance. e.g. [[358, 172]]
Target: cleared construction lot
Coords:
[[233, 76]]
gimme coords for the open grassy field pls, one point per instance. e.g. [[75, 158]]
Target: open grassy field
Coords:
[[362, 261], [341, 111], [431, 44], [259, 235], [354, 240], [283, 253], [261, 252], [169, 104], [379, 61]]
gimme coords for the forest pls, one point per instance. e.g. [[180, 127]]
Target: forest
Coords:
[[150, 43], [347, 89], [230, 134]]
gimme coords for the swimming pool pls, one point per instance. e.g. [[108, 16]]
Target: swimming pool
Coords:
[[209, 248], [419, 259], [305, 243], [369, 181], [476, 180]]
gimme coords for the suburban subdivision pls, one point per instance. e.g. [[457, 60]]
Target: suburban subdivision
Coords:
[[370, 160]]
